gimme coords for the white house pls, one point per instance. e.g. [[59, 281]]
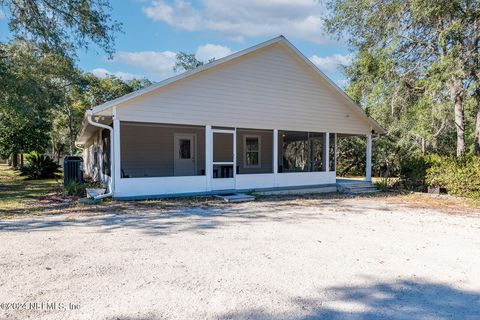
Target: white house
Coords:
[[263, 118]]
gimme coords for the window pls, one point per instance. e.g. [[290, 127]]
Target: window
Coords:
[[301, 151], [184, 149], [251, 147], [106, 152]]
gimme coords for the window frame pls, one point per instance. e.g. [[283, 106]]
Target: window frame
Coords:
[[259, 139]]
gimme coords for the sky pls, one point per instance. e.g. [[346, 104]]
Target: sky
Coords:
[[155, 30]]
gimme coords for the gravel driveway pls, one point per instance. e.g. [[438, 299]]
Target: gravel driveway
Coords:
[[361, 258]]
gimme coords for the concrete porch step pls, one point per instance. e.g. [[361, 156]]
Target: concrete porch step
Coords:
[[356, 187], [236, 197], [362, 190]]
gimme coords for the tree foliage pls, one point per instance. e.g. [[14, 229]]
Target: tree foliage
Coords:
[[415, 71], [186, 61], [88, 92], [31, 89], [62, 25], [43, 95]]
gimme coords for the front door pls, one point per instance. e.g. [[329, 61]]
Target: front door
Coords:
[[185, 154], [224, 159]]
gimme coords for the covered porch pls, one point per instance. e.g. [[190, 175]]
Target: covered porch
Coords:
[[153, 160]]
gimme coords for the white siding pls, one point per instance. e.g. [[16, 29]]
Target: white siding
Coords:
[[271, 88], [92, 169]]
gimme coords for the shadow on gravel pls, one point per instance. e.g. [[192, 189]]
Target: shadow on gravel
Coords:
[[384, 300], [164, 221], [173, 216]]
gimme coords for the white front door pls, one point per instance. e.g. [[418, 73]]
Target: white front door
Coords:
[[224, 159], [184, 154]]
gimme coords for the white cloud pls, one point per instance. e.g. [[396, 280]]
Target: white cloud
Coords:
[[331, 63], [210, 51], [237, 19], [159, 63], [104, 73]]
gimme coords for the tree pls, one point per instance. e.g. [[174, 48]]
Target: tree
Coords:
[[31, 88], [185, 61], [62, 25], [88, 92], [428, 50], [37, 67]]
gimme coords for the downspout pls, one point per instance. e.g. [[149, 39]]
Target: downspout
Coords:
[[112, 171]]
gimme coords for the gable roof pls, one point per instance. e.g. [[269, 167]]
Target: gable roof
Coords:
[[280, 39]]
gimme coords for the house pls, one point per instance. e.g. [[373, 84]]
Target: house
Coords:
[[260, 119]]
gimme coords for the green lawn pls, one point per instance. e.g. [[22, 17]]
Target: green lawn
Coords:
[[20, 196]]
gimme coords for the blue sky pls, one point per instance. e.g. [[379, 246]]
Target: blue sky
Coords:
[[154, 30]]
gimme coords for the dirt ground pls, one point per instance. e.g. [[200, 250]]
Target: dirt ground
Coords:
[[328, 257]]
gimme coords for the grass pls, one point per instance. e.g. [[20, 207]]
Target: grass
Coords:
[[20, 196]]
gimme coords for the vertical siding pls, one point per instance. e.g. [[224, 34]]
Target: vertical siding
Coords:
[[267, 89]]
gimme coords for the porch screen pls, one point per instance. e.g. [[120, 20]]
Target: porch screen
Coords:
[[301, 151], [155, 150]]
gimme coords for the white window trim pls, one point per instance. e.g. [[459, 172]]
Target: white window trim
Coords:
[[259, 165]]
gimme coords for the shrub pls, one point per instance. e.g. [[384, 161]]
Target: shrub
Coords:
[[458, 175], [385, 184], [413, 171], [77, 189], [39, 166], [74, 188]]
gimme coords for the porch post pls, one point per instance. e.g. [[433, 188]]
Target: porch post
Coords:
[[335, 153], [326, 153], [275, 156], [368, 167], [208, 156], [116, 151]]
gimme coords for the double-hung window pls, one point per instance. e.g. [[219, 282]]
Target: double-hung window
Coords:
[[251, 147]]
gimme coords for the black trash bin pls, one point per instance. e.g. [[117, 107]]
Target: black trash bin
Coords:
[[72, 169]]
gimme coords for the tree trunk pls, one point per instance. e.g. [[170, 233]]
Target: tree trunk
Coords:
[[456, 91], [14, 160], [477, 132], [459, 125]]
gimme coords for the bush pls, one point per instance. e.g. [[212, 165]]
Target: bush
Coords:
[[77, 189], [458, 175], [74, 188], [385, 184], [39, 166], [413, 171]]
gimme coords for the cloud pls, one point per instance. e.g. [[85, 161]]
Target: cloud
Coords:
[[238, 19], [331, 63], [158, 65], [2, 15], [104, 73], [210, 51]]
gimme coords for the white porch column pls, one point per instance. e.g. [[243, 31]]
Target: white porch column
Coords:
[[275, 156], [326, 151], [335, 153], [116, 151], [368, 167], [208, 156]]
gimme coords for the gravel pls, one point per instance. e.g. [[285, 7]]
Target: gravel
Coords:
[[360, 258]]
